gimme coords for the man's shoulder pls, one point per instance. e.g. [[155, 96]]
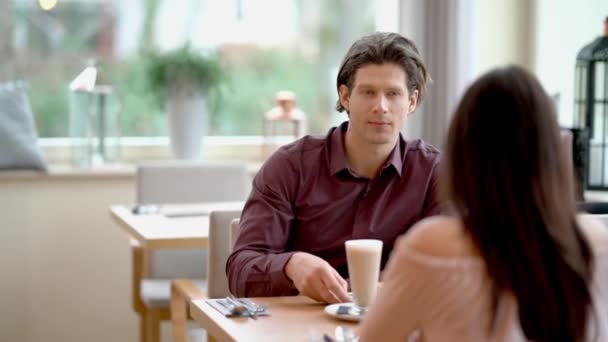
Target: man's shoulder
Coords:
[[297, 152], [417, 151], [308, 143], [422, 147]]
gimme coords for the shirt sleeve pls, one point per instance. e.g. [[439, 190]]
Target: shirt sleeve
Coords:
[[432, 202], [256, 266]]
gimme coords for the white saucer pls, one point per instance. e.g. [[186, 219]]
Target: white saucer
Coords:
[[332, 310]]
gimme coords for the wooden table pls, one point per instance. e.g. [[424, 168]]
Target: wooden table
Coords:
[[292, 319], [173, 226]]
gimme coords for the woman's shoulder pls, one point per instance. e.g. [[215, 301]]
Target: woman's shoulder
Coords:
[[439, 236], [445, 236], [594, 230]]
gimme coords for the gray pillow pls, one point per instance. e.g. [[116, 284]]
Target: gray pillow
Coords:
[[19, 147]]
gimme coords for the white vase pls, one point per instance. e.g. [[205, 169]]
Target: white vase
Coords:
[[187, 114]]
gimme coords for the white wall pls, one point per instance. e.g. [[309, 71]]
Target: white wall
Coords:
[[503, 33], [14, 301], [65, 265]]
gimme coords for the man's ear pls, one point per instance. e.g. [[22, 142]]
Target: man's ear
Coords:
[[412, 102], [344, 96]]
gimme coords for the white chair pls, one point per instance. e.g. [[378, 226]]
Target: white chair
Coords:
[[234, 231], [222, 225], [176, 182]]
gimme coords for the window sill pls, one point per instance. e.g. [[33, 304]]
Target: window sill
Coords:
[[248, 149], [111, 171], [136, 149], [57, 171]]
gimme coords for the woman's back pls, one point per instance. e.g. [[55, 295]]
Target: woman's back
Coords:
[[437, 282]]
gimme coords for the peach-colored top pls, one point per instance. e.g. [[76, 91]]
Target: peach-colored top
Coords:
[[448, 298]]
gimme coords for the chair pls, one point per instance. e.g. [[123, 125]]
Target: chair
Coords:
[[176, 182], [222, 227], [234, 231]]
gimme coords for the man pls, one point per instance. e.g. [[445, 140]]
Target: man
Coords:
[[362, 180]]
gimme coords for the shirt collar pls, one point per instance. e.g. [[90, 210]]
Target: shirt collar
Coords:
[[337, 155], [396, 157]]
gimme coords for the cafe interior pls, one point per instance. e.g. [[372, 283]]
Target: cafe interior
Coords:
[[121, 187]]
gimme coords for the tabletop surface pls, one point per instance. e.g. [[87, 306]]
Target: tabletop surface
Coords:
[[295, 318], [170, 226]]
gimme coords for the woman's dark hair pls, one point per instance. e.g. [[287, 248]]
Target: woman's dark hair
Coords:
[[381, 48], [506, 176]]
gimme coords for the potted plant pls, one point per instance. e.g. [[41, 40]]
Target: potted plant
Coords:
[[182, 80]]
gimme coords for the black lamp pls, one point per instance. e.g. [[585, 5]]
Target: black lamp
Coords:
[[591, 107]]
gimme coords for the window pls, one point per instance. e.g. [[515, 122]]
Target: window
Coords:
[[563, 28], [266, 46]]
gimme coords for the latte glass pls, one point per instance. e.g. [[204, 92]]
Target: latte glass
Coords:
[[363, 257]]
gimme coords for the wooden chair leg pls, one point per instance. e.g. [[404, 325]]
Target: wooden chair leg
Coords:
[[153, 325], [143, 328], [140, 261], [179, 314], [210, 338], [183, 291]]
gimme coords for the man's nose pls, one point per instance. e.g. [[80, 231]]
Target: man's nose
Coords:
[[382, 104]]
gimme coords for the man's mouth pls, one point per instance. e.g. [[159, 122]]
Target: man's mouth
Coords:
[[379, 123]]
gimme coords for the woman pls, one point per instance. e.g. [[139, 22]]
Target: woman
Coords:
[[515, 263]]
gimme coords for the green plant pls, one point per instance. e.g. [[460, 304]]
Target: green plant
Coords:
[[181, 69]]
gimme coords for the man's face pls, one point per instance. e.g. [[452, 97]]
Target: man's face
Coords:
[[378, 103]]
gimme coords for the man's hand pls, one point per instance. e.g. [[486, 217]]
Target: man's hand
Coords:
[[315, 278]]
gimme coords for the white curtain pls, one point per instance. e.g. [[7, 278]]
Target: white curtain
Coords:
[[443, 30]]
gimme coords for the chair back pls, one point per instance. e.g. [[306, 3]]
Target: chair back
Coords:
[[219, 250], [167, 182], [234, 231]]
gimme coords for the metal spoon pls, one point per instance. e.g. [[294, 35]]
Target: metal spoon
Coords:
[[239, 308]]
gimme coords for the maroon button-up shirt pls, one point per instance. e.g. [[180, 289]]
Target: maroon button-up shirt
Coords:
[[305, 198]]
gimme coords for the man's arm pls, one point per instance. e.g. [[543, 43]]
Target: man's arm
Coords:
[[261, 264], [316, 278], [432, 201], [256, 265]]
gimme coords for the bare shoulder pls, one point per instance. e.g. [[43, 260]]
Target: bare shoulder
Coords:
[[595, 229], [439, 236]]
